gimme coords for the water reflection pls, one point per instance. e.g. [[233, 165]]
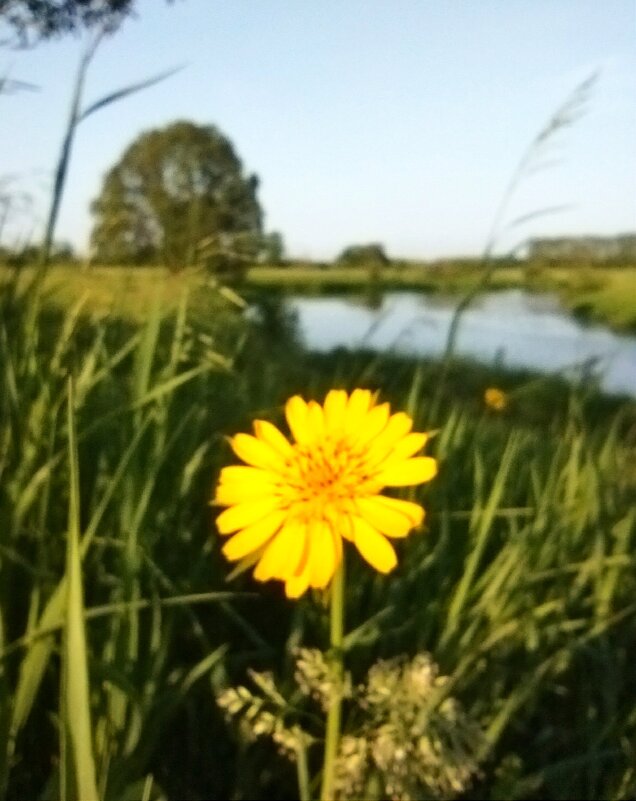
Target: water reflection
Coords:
[[514, 327]]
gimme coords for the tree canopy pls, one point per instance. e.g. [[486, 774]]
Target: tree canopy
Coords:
[[176, 193], [372, 254], [46, 18]]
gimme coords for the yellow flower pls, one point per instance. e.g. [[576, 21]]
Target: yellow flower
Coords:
[[292, 503], [496, 399]]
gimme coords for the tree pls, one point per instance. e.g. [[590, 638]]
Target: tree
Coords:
[[41, 19], [371, 255], [176, 192], [273, 249]]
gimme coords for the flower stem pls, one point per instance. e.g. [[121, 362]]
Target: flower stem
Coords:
[[303, 772], [332, 738]]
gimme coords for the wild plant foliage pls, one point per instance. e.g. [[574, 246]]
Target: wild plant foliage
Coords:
[[519, 588]]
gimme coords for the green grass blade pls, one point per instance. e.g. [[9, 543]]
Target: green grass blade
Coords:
[[40, 648], [75, 702], [35, 661], [482, 524]]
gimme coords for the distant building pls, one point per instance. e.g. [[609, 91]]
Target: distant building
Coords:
[[584, 248]]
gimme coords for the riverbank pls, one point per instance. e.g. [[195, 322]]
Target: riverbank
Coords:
[[600, 294]]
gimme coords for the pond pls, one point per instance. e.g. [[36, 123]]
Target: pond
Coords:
[[513, 328]]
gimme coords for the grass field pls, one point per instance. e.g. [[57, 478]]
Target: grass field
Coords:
[[601, 294], [520, 587], [127, 293], [609, 298]]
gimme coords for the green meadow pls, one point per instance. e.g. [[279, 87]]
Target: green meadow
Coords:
[[122, 636]]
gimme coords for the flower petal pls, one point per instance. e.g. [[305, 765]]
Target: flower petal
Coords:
[[268, 433], [315, 421], [409, 445], [245, 563], [359, 403], [413, 511], [228, 494], [296, 413], [282, 556], [408, 472], [373, 547], [244, 514], [297, 584], [335, 408], [396, 429], [323, 554], [374, 422], [256, 453], [253, 537], [344, 524], [248, 475], [387, 519]]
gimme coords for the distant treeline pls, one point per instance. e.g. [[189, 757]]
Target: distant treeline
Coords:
[[601, 249], [583, 252]]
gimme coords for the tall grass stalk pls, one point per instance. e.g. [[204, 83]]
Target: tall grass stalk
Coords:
[[535, 157], [76, 116]]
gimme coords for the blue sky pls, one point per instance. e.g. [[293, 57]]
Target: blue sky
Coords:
[[399, 122]]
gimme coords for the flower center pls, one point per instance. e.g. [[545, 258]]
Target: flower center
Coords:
[[328, 472]]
